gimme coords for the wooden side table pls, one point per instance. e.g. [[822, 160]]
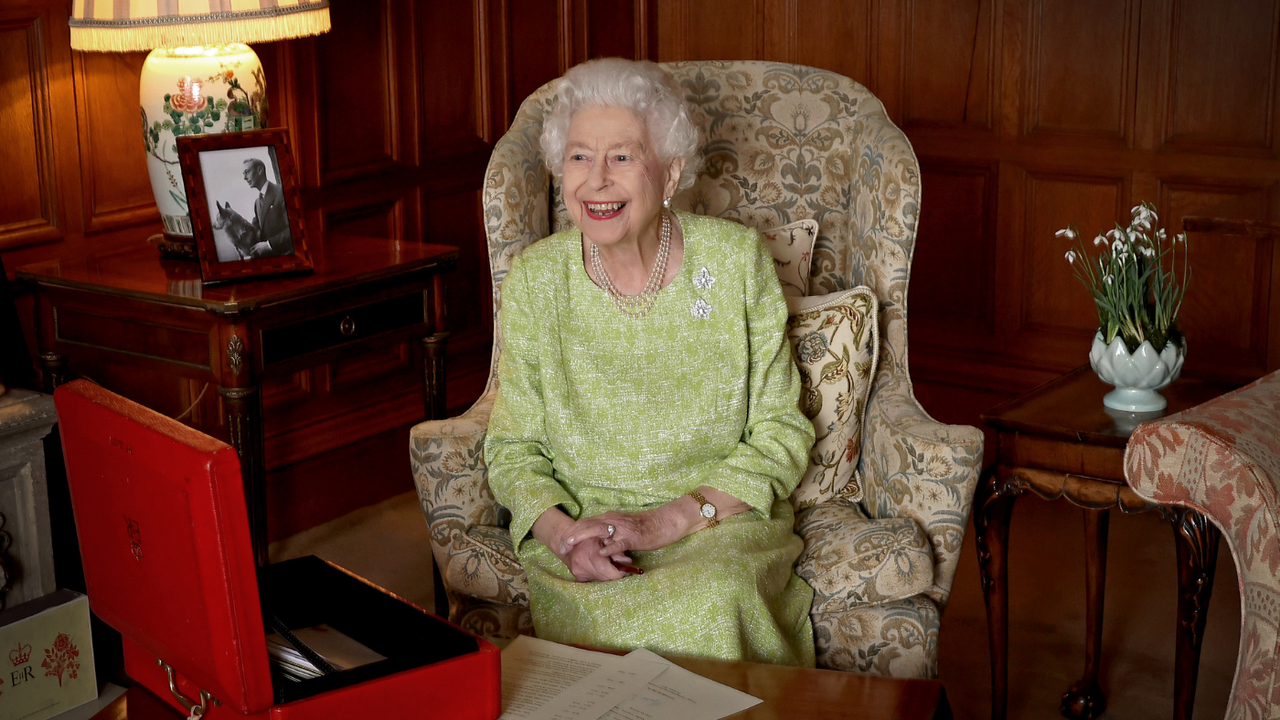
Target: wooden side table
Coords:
[[1059, 442], [152, 316]]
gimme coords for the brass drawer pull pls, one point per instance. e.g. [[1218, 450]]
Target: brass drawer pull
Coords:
[[347, 326]]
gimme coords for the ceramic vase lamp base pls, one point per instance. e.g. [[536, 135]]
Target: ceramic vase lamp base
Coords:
[[1137, 375], [186, 91]]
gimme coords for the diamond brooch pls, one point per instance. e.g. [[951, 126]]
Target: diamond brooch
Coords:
[[701, 309], [703, 280]]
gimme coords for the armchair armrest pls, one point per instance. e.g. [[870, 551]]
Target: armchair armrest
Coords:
[[914, 466], [469, 536]]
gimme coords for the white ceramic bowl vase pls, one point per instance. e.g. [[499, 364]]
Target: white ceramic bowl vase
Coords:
[[1137, 376]]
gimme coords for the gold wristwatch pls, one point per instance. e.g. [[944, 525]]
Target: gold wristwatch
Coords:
[[707, 510]]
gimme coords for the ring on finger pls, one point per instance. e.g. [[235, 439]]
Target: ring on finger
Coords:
[[612, 529]]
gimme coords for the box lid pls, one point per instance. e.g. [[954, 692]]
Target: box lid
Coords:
[[164, 535]]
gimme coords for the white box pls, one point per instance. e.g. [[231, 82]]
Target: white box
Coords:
[[46, 657]]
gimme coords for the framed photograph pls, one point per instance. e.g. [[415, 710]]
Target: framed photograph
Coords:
[[243, 196]]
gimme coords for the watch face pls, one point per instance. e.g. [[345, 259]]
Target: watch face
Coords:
[[708, 510]]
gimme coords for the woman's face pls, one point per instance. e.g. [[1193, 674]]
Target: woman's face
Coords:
[[614, 183]]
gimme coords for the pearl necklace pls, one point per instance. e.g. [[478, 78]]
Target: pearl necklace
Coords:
[[637, 306]]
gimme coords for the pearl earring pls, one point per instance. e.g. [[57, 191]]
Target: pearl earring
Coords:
[[666, 202]]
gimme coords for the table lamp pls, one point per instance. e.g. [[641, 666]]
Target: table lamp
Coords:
[[200, 77]]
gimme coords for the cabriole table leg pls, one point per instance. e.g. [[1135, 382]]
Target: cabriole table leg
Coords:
[[993, 507], [1084, 699]]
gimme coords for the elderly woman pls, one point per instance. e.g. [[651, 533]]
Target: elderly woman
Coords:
[[646, 434]]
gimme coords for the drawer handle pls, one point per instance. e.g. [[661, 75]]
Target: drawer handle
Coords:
[[347, 326]]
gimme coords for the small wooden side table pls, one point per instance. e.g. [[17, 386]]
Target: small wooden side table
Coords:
[[1059, 442], [153, 316]]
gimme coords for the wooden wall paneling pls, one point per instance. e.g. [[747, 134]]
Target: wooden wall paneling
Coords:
[[116, 186], [537, 35], [361, 95], [493, 66], [1222, 77], [613, 28], [33, 203], [950, 68], [1057, 312], [453, 73], [381, 220], [952, 271], [1082, 68], [1225, 315], [836, 35], [711, 30]]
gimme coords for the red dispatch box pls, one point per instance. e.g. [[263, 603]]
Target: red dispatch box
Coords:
[[164, 534]]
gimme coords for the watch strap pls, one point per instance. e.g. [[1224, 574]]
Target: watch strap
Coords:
[[702, 506]]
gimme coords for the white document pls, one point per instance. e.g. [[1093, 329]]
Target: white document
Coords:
[[679, 694], [542, 680]]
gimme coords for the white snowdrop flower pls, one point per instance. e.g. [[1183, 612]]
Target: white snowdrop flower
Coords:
[[1071, 256], [1180, 237], [1106, 279], [1161, 235], [1116, 247], [1067, 233], [1123, 256], [1149, 252], [1100, 240]]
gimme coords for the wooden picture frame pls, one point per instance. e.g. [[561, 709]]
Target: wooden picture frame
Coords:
[[237, 183]]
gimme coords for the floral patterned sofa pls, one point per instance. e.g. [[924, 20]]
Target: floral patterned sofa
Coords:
[[1222, 459], [781, 143]]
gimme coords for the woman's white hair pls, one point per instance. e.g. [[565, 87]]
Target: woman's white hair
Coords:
[[640, 86]]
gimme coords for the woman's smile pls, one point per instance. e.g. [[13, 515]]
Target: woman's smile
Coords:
[[605, 211]]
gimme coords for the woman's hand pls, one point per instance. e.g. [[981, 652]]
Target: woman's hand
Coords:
[[649, 530], [584, 558], [652, 529], [589, 563]]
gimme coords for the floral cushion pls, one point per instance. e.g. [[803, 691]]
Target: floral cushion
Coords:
[[834, 343], [851, 561], [1222, 459], [792, 249]]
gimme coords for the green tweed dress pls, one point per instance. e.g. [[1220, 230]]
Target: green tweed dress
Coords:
[[597, 411]]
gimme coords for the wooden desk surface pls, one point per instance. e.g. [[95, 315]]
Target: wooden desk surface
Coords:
[[787, 692], [1070, 408], [137, 272]]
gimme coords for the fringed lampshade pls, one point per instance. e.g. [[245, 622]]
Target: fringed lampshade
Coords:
[[199, 78], [125, 25]]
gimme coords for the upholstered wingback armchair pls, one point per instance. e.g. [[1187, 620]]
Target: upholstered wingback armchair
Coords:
[[1222, 459], [781, 143]]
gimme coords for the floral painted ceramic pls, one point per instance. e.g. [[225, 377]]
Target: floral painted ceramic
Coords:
[[194, 91]]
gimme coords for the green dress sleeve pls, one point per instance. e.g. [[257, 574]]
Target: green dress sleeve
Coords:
[[515, 447], [773, 453]]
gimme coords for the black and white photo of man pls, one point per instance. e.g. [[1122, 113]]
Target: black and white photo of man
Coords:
[[246, 204]]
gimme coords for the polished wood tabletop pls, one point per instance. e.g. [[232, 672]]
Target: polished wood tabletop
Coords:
[[788, 693], [135, 272], [1070, 408]]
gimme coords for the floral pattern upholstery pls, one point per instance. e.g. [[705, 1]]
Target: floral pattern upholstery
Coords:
[[851, 561], [781, 143], [834, 343], [1222, 459]]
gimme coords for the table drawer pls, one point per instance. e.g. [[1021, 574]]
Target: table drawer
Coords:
[[339, 328]]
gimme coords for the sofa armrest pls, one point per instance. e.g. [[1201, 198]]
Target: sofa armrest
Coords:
[[914, 466]]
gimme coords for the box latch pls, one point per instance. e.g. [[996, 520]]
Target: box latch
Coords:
[[194, 711]]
